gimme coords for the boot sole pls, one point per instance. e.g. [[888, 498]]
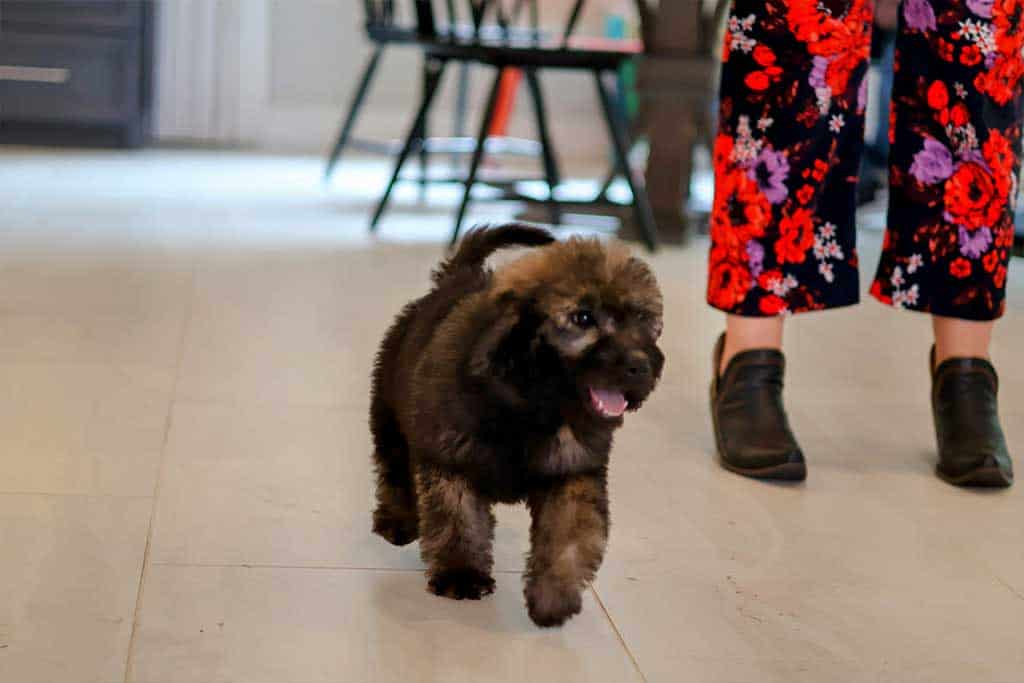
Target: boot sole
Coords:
[[787, 471], [986, 477]]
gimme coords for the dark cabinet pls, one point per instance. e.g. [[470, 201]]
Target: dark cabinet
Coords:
[[76, 72]]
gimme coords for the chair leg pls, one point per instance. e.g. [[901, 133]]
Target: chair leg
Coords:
[[619, 130], [423, 134], [613, 173], [434, 73], [478, 153], [353, 112], [551, 172], [461, 107]]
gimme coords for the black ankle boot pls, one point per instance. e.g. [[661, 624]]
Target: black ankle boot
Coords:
[[751, 429], [972, 448]]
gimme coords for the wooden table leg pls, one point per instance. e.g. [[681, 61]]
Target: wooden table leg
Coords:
[[675, 87]]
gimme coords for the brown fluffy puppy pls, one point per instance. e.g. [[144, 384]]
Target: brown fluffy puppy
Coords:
[[505, 386]]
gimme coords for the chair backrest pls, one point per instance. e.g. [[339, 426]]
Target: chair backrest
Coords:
[[395, 21], [485, 18], [468, 19]]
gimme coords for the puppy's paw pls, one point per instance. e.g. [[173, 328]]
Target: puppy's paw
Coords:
[[461, 584], [551, 602], [395, 529]]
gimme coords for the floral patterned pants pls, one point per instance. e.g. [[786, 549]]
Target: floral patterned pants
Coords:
[[788, 151]]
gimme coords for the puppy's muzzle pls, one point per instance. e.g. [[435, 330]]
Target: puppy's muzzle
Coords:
[[631, 370]]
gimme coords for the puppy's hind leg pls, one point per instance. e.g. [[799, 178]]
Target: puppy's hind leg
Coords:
[[395, 519], [568, 534], [456, 535]]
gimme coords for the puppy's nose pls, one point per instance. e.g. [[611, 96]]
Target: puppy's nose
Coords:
[[637, 365]]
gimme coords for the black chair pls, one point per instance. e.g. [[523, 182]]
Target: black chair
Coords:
[[386, 26], [384, 29], [501, 48]]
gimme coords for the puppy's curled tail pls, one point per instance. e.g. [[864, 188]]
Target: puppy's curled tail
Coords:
[[479, 243]]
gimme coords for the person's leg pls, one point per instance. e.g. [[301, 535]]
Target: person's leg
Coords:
[[955, 338], [786, 157], [954, 160], [746, 334]]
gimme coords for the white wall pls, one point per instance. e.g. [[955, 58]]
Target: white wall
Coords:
[[312, 54]]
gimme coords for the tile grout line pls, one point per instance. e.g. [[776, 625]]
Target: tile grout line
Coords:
[[310, 567], [88, 496], [160, 470], [1008, 586], [618, 634]]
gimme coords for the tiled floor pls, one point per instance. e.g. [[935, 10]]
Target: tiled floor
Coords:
[[185, 484]]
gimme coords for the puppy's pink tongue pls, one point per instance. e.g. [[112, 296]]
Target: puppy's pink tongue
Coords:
[[607, 402]]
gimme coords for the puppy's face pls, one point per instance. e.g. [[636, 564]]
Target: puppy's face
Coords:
[[594, 315]]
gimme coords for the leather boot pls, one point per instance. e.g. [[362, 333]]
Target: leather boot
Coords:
[[972, 448], [751, 429]]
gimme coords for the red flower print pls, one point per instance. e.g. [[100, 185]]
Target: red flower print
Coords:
[[784, 244], [805, 194], [796, 237], [999, 279], [764, 56], [959, 114], [740, 213], [998, 152], [990, 261], [970, 55], [728, 281], [971, 197], [1007, 16], [772, 305], [876, 291], [723, 152], [757, 80], [999, 155], [768, 279], [820, 169], [945, 49], [1002, 81], [938, 95], [1004, 232], [960, 268], [846, 39]]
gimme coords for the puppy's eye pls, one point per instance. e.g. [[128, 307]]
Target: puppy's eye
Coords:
[[583, 318]]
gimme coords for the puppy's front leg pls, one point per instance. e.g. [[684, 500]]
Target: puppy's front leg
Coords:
[[568, 535], [456, 535]]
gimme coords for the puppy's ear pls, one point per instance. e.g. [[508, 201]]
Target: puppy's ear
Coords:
[[487, 364]]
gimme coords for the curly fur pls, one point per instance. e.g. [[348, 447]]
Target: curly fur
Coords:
[[482, 394]]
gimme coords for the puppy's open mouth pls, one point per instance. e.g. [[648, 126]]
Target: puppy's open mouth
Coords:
[[608, 403]]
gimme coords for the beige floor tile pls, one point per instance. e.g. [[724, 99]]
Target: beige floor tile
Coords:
[[281, 485], [869, 571], [77, 306], [68, 585], [214, 625], [266, 288], [82, 429]]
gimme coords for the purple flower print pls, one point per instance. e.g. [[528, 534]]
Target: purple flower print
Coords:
[[817, 79], [919, 15], [974, 244], [770, 170], [755, 258], [933, 163], [983, 8]]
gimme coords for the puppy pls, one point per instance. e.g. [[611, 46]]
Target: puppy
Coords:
[[506, 386]]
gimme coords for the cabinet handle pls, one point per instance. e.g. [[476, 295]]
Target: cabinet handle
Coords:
[[34, 74]]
